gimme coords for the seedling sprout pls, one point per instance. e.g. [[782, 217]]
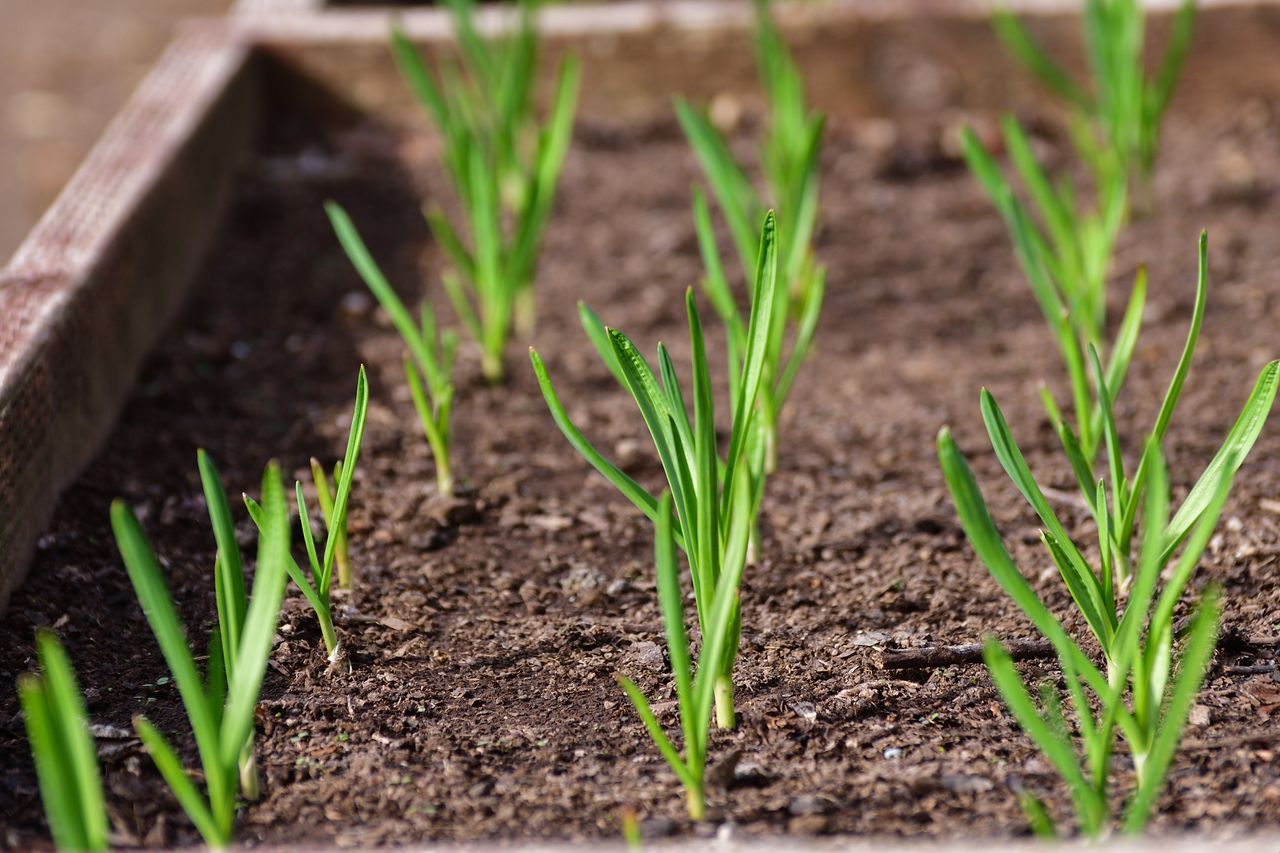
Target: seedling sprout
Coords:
[[789, 160], [62, 746], [428, 368], [317, 589], [695, 684], [1067, 271], [716, 501], [504, 168], [220, 706], [1116, 118], [1067, 253], [1148, 687]]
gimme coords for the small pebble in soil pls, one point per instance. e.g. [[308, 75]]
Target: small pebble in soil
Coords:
[[751, 774], [721, 773], [806, 711], [725, 112], [648, 655], [893, 753], [814, 824], [529, 594], [629, 454], [870, 638], [428, 540], [580, 578]]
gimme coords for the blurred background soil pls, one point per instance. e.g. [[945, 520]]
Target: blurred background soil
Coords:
[[66, 67]]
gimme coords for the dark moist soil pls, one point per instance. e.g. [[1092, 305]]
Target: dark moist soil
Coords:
[[485, 634]]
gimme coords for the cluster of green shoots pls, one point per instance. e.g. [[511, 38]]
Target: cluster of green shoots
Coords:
[[696, 683], [65, 757], [333, 508], [1067, 271], [337, 526], [1146, 559], [789, 161], [503, 165], [220, 705], [428, 367], [1116, 119], [1148, 686], [715, 499], [1065, 247]]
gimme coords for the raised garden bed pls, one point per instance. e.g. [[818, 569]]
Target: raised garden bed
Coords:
[[484, 633]]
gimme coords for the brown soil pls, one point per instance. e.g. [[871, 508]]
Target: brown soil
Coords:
[[485, 636]]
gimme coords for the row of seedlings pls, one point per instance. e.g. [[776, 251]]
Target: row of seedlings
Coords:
[[1139, 687], [484, 110]]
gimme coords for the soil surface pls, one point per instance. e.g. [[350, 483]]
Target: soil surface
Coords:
[[485, 634]]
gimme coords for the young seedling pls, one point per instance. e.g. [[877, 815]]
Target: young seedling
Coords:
[[220, 707], [781, 365], [504, 168], [1065, 250], [428, 368], [230, 599], [1116, 118], [317, 589], [1120, 601], [789, 160], [716, 500], [62, 746], [1065, 261], [1138, 666], [695, 682]]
